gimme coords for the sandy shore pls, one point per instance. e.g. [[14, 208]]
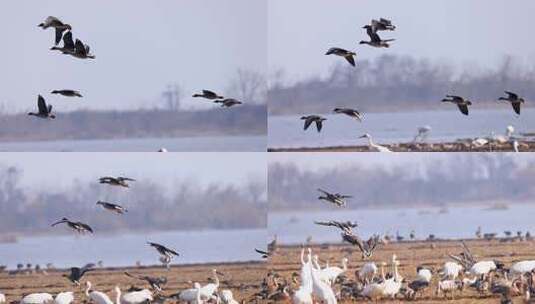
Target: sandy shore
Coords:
[[462, 146], [286, 260], [243, 279]]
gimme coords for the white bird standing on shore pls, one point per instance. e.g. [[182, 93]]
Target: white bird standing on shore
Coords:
[[134, 297], [330, 274], [373, 146], [321, 289], [521, 267], [451, 270], [208, 290], [367, 272], [64, 298], [97, 296]]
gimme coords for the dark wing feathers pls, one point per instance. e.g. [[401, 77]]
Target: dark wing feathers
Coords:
[[41, 104], [463, 108]]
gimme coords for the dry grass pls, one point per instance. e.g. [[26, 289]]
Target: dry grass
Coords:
[[286, 260], [243, 279]]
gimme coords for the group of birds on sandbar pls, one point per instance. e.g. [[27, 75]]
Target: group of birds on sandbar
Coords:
[[372, 29]]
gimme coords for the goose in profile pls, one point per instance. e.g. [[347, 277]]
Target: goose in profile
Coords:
[[459, 101], [68, 44], [375, 40], [228, 102], [67, 93], [313, 118], [347, 225], [45, 111], [382, 25], [165, 253], [366, 247], [112, 207], [263, 253], [82, 50], [76, 226], [373, 146], [77, 273], [208, 95], [54, 22], [514, 100], [348, 55], [349, 112], [155, 283], [37, 298], [334, 198], [116, 181]]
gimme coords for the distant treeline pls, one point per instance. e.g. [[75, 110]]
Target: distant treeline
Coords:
[[188, 206], [240, 120], [457, 179], [393, 83]]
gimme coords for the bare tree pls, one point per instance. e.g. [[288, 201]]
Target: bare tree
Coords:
[[249, 86], [172, 97]]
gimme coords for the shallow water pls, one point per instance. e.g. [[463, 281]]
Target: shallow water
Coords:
[[340, 130], [182, 144], [127, 249], [295, 227]]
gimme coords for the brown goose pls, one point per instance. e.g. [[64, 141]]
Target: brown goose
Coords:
[[44, 110], [375, 40], [342, 53], [459, 101], [116, 181], [82, 50], [208, 95], [76, 226], [112, 207], [382, 25], [57, 24], [163, 251], [313, 118], [67, 93], [514, 100], [349, 112], [229, 102], [68, 44]]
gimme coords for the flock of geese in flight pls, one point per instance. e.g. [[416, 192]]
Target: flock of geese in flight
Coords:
[[78, 49], [376, 41]]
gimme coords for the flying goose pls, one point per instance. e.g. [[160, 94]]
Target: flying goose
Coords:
[[366, 247], [112, 207], [57, 24], [264, 254], [348, 225], [67, 93], [313, 118], [514, 100], [382, 25], [44, 110], [77, 273], [460, 102], [208, 95], [375, 40], [76, 226], [348, 55], [155, 283], [349, 112], [116, 181], [228, 102], [82, 50], [164, 251], [68, 44], [335, 198]]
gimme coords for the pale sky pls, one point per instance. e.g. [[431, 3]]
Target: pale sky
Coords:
[[56, 171], [140, 48], [468, 34]]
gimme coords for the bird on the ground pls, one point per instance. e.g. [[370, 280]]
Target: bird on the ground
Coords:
[[45, 111], [66, 297], [208, 95], [349, 112], [57, 24], [313, 118], [373, 146], [67, 93], [461, 102], [348, 55], [155, 283], [76, 226], [77, 273], [514, 100], [334, 198], [113, 207], [116, 181], [37, 298]]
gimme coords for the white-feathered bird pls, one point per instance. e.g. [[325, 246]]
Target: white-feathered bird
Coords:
[[227, 297], [522, 267], [482, 268], [367, 272], [64, 297], [329, 274], [37, 298], [97, 296], [423, 274], [451, 270], [373, 146], [2, 298], [134, 297]]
